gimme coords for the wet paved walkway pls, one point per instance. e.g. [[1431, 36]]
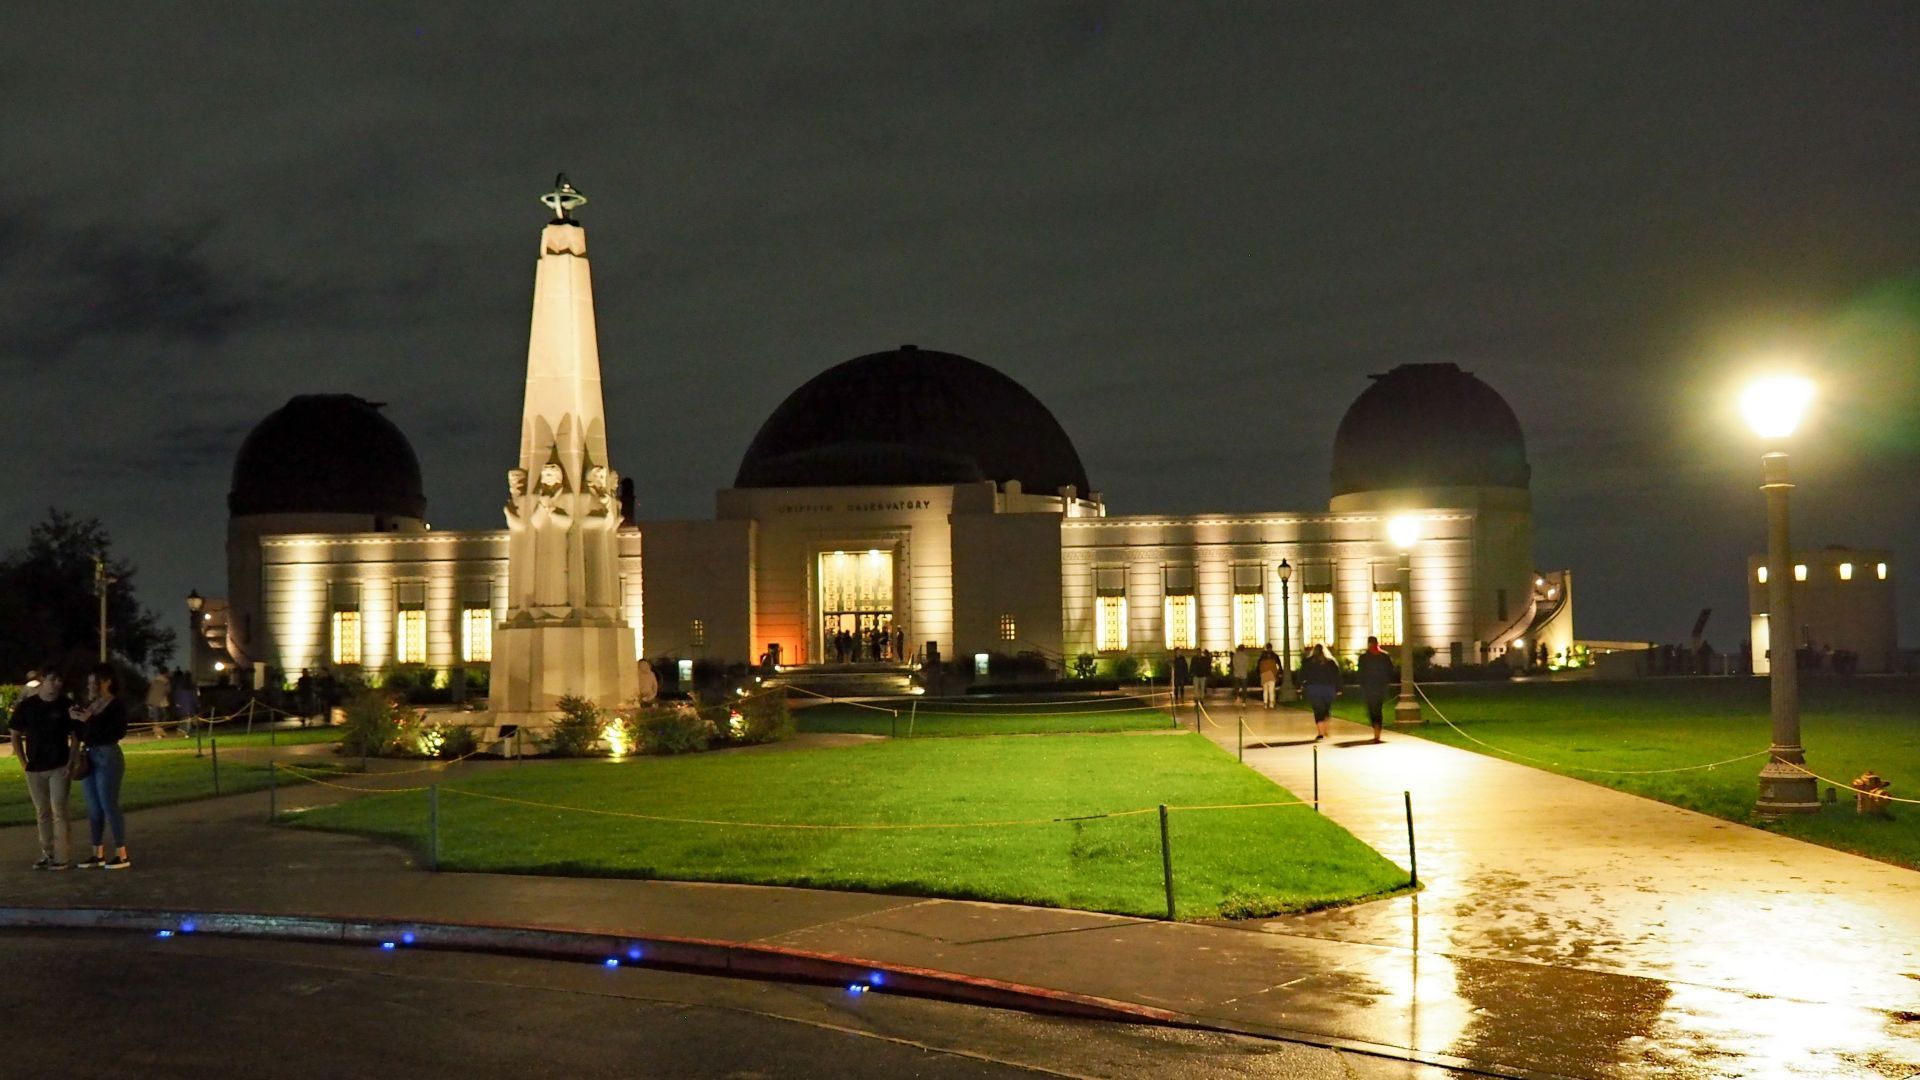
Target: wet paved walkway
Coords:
[[1565, 928]]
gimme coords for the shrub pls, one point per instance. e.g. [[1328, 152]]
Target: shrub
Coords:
[[671, 729], [1084, 666], [447, 741], [763, 719], [374, 727], [577, 730], [9, 696]]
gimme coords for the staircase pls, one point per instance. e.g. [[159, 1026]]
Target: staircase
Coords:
[[847, 680]]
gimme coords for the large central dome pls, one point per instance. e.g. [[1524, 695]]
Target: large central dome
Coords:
[[911, 416]]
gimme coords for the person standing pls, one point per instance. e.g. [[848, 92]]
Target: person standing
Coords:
[[1376, 674], [1202, 671], [43, 742], [103, 721], [1242, 668], [1269, 671], [1180, 674], [1322, 678], [303, 695]]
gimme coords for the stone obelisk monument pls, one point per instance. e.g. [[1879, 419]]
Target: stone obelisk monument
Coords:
[[564, 632]]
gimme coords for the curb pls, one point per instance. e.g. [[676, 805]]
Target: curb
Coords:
[[675, 953], [704, 956]]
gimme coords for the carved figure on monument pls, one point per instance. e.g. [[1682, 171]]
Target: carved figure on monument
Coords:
[[551, 521]]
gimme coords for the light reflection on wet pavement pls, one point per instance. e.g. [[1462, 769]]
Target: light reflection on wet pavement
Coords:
[[1573, 929]]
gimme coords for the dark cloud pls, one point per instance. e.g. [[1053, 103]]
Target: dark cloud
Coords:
[[1191, 230]]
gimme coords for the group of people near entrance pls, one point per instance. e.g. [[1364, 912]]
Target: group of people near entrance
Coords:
[[873, 644], [60, 742], [1319, 678]]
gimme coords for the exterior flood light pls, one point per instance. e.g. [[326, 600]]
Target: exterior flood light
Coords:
[[1774, 406], [1404, 531]]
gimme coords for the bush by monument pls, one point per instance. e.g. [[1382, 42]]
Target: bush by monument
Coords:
[[576, 732]]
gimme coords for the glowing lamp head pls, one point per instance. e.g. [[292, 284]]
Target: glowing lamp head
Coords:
[[1774, 406], [1404, 531]]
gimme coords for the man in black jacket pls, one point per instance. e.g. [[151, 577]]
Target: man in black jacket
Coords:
[[43, 742], [1376, 675]]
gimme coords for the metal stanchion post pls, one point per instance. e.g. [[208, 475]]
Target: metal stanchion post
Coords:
[[1413, 858], [249, 716], [215, 741], [198, 730], [433, 826], [273, 791], [1240, 740], [1316, 778], [1166, 859]]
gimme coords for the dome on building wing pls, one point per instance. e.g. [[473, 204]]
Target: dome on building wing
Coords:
[[327, 454], [911, 416], [1425, 426]]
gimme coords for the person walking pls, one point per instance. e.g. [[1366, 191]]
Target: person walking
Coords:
[[159, 700], [1242, 669], [103, 721], [1202, 672], [1180, 674], [1376, 674], [1269, 671], [43, 742], [1322, 678]]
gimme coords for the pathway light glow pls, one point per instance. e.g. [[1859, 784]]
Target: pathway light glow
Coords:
[[1774, 406]]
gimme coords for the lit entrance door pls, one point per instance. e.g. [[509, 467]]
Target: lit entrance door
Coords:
[[856, 606]]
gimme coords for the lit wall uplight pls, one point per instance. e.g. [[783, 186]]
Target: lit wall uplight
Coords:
[[1762, 575], [1880, 571]]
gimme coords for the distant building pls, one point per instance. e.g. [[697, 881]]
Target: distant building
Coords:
[[1843, 599]]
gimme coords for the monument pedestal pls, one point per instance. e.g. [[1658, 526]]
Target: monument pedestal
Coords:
[[535, 666]]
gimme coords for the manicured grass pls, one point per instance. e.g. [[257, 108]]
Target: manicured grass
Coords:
[[1232, 862], [935, 717], [153, 779], [1848, 725]]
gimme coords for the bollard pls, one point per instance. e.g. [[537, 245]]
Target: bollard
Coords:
[[1166, 859], [215, 742], [1413, 858], [273, 791], [433, 826], [1316, 778]]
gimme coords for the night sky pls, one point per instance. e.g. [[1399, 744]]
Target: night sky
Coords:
[[1191, 230]]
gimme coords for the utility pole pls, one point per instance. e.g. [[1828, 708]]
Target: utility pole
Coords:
[[100, 583]]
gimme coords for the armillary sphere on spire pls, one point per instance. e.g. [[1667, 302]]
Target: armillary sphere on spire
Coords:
[[562, 198]]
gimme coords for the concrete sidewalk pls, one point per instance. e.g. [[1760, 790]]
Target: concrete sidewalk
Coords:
[[1596, 934]]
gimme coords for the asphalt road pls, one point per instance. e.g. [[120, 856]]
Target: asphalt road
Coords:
[[119, 1005]]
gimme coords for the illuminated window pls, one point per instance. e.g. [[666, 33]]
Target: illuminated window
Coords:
[[1388, 616], [410, 637], [1249, 605], [1249, 620], [1846, 571], [1008, 631], [1110, 608], [1880, 571], [1317, 619], [476, 635], [1110, 624], [346, 637], [410, 622], [697, 634], [1182, 621], [1799, 571], [1763, 575]]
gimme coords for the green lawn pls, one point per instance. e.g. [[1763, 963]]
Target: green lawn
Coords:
[[1847, 725], [153, 779], [232, 735], [936, 717], [1233, 862]]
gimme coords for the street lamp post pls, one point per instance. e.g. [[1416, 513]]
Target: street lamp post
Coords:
[[1773, 408], [1285, 570], [1404, 531], [101, 579]]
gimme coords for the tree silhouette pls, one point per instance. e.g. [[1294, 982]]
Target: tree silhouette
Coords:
[[48, 608]]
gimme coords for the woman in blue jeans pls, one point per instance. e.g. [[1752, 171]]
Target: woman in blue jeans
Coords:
[[103, 721]]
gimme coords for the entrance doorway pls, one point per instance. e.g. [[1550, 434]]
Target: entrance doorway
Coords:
[[856, 607]]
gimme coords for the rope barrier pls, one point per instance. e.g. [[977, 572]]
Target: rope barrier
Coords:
[[972, 704], [302, 774], [1578, 768], [1848, 784], [842, 701], [930, 710]]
